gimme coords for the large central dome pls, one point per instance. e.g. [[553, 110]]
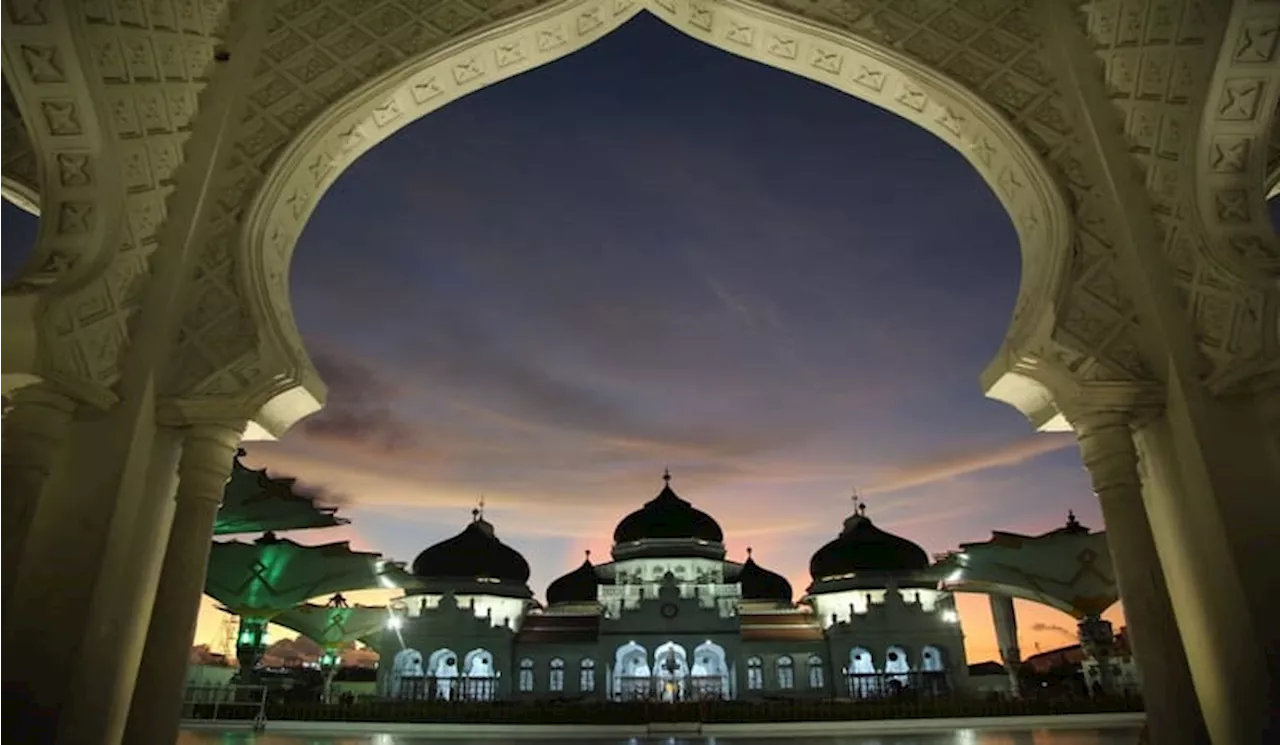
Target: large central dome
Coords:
[[667, 516], [862, 547]]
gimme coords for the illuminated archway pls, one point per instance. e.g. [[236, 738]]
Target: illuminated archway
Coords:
[[407, 672], [631, 671], [710, 671]]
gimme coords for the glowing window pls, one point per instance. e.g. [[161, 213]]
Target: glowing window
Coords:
[[556, 678], [755, 674], [526, 675], [786, 673], [815, 672]]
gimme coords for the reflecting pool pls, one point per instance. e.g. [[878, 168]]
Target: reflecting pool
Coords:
[[1085, 736]]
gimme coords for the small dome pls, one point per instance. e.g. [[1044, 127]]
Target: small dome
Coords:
[[759, 583], [862, 547], [475, 553], [578, 586], [667, 516]]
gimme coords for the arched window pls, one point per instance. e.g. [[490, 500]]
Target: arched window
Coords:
[[557, 675], [526, 675], [815, 672], [587, 675], [786, 673], [755, 674], [931, 659]]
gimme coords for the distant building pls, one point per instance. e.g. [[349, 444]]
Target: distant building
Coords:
[[1072, 662], [671, 619], [989, 677]]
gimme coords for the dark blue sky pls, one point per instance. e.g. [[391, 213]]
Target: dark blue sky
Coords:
[[649, 254]]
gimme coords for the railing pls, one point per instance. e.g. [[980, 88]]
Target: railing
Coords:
[[882, 685], [645, 712], [689, 688], [445, 689], [231, 702]]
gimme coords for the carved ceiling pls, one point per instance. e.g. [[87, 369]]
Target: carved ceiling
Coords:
[[1229, 291], [113, 111]]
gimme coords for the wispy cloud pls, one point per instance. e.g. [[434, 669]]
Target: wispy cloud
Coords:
[[933, 471]]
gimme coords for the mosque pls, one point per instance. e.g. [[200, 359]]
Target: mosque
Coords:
[[670, 618]]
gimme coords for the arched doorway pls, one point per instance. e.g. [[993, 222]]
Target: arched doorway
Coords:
[[408, 674], [897, 668], [861, 676], [709, 675], [443, 671], [671, 672], [479, 677], [632, 675]]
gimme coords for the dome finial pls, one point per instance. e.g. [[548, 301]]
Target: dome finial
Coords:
[[588, 553], [666, 475], [477, 513], [748, 552], [1071, 519], [859, 506]]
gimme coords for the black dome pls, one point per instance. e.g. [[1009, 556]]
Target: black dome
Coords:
[[862, 547], [759, 583], [667, 516], [472, 554], [578, 586]]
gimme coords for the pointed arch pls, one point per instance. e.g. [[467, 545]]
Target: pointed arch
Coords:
[[865, 68], [932, 659], [408, 670], [710, 671], [631, 671], [479, 675]]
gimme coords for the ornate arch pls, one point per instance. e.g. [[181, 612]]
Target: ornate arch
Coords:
[[1234, 163], [19, 173], [1237, 168], [860, 64]]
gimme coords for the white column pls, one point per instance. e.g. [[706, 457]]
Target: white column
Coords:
[[1006, 621], [35, 437], [81, 596], [1107, 447], [208, 451], [1209, 481]]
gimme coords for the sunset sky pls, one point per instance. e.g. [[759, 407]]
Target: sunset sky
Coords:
[[653, 254]]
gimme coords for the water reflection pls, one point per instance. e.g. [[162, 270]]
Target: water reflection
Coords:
[[1107, 736]]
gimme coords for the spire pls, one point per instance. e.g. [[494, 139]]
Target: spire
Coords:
[[666, 475], [859, 506]]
